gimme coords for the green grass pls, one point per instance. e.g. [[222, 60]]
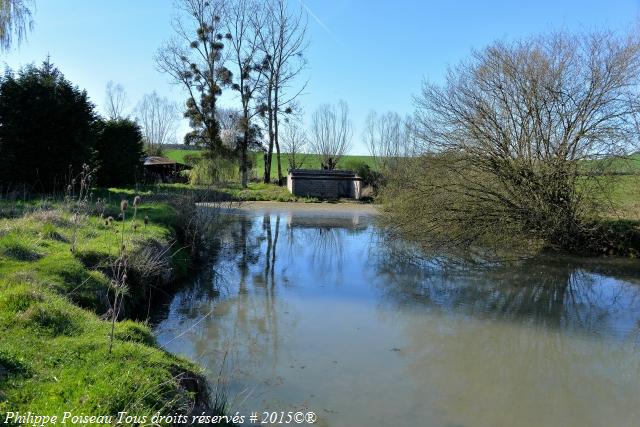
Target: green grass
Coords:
[[255, 191], [311, 161], [54, 348]]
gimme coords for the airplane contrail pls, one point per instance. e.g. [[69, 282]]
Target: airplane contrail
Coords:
[[315, 17]]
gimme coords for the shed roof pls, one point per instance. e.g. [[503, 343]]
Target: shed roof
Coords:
[[322, 173]]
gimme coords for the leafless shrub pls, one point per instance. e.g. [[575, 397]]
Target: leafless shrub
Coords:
[[77, 199], [195, 221], [515, 142]]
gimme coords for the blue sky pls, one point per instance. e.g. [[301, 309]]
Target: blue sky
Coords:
[[374, 54]]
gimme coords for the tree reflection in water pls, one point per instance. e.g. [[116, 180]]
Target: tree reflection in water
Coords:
[[326, 306], [560, 292]]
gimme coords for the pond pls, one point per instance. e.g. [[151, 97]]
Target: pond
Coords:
[[316, 311]]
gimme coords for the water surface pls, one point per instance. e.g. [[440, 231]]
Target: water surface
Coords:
[[316, 311]]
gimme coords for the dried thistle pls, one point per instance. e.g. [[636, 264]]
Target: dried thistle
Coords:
[[136, 201], [124, 205]]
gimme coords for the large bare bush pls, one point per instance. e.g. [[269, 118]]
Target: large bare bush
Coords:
[[516, 142]]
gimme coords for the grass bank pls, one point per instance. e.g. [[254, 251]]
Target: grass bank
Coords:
[[55, 297]]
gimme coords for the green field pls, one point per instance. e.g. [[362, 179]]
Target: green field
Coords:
[[311, 161], [179, 155], [630, 165], [618, 165]]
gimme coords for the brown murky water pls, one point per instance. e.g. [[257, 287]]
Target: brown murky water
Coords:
[[315, 312]]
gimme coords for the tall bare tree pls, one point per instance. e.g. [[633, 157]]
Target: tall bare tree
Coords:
[[196, 59], [519, 138], [158, 118], [243, 25], [294, 143], [283, 42], [331, 132], [15, 21], [115, 100]]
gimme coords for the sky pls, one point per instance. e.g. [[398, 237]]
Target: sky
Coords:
[[373, 54]]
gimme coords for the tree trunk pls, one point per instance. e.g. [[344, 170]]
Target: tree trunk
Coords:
[[243, 158], [269, 154], [275, 133]]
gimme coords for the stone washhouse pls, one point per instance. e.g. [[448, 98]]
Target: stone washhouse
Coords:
[[324, 184]]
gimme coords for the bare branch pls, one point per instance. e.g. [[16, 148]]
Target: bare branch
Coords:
[[15, 22]]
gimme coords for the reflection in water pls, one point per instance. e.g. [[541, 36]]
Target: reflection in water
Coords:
[[317, 312], [550, 293]]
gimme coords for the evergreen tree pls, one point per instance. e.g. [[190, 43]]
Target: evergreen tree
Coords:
[[119, 149], [47, 128]]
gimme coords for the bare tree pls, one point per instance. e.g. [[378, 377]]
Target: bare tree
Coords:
[[294, 142], [283, 42], [331, 133], [158, 118], [519, 138], [115, 101], [15, 22], [388, 139], [243, 25], [196, 59]]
